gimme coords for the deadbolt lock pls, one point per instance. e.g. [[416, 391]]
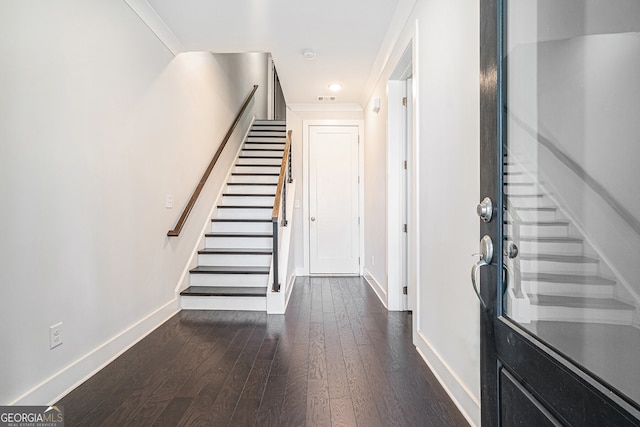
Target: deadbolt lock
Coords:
[[485, 209]]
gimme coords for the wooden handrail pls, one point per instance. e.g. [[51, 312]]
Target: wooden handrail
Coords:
[[283, 169], [196, 193]]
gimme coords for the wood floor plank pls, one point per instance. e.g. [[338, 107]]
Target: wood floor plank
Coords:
[[342, 414], [318, 406], [317, 357], [338, 357], [272, 402]]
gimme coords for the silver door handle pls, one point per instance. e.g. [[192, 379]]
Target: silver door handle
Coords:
[[486, 255], [313, 218]]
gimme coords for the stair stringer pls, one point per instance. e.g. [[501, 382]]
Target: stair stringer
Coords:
[[183, 281]]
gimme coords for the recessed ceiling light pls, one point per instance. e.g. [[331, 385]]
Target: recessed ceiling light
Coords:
[[309, 54], [335, 87]]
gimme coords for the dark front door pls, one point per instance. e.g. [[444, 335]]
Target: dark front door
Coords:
[[559, 274]]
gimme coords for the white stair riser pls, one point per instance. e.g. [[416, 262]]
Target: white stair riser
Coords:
[[265, 146], [271, 153], [530, 202], [537, 215], [262, 128], [224, 303], [263, 122], [522, 189], [569, 289], [256, 169], [591, 315], [240, 213], [268, 132], [265, 139], [250, 189], [247, 201], [544, 230], [517, 177], [248, 179], [559, 267], [225, 280], [241, 227], [215, 260], [276, 161], [239, 242], [565, 248]]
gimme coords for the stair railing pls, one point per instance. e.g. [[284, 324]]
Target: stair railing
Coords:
[[196, 193], [280, 207]]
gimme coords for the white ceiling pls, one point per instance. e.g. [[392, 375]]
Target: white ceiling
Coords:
[[346, 34]]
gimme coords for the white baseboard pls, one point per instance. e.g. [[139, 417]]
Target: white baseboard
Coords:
[[67, 379], [462, 396], [377, 288]]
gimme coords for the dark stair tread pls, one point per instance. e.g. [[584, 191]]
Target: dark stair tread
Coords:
[[262, 149], [550, 239], [205, 269], [253, 174], [536, 208], [528, 184], [247, 195], [257, 166], [235, 251], [577, 259], [568, 278], [265, 235], [554, 222], [239, 220], [252, 183], [213, 291], [260, 157], [243, 207], [579, 302]]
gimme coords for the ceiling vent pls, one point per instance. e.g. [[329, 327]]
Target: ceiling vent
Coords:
[[325, 98]]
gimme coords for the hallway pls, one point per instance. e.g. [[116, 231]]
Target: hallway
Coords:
[[336, 358]]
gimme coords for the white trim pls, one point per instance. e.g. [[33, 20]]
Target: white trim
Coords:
[[396, 28], [460, 394], [326, 107], [306, 124], [77, 372], [377, 288], [154, 22], [270, 89]]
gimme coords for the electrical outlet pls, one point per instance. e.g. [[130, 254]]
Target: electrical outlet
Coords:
[[168, 201], [55, 335]]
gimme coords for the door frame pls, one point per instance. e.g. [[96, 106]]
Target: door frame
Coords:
[[503, 344], [396, 138], [306, 124]]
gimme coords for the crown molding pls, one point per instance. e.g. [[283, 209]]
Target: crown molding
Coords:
[[150, 17]]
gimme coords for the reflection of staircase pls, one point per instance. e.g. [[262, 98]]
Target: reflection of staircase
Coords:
[[562, 277], [234, 265]]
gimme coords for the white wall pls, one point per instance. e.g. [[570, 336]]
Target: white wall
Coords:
[[99, 123], [445, 39]]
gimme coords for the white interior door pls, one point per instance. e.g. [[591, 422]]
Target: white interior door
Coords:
[[334, 237]]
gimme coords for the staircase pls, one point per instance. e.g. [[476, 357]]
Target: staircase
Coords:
[[234, 265], [556, 270]]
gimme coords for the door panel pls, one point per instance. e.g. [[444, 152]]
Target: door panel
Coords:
[[333, 200], [559, 102]]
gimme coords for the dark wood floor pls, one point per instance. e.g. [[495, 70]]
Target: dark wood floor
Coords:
[[336, 358]]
